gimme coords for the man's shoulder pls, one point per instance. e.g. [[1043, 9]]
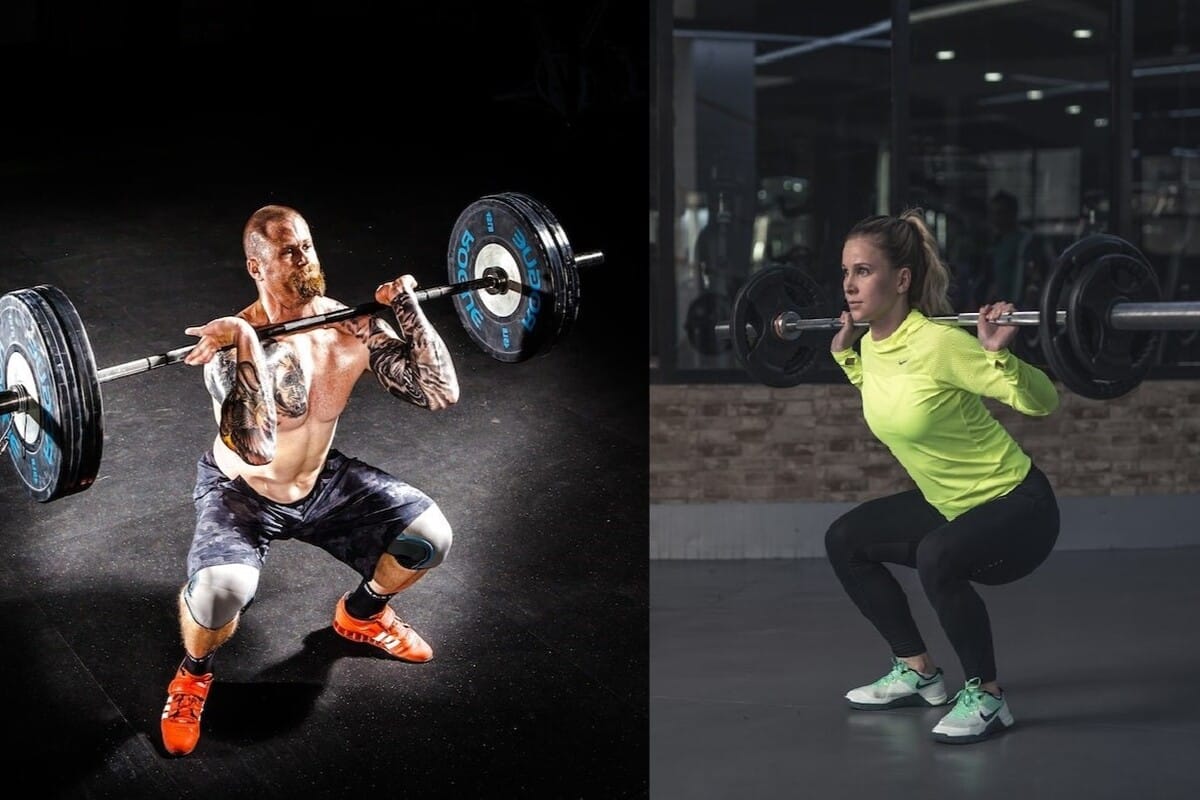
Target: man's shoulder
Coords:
[[253, 314], [324, 304]]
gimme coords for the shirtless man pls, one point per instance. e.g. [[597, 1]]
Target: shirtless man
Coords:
[[272, 472]]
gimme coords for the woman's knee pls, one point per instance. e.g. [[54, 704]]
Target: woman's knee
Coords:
[[425, 543], [934, 560], [839, 539]]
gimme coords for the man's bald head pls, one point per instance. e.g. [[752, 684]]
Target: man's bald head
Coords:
[[279, 247], [255, 235]]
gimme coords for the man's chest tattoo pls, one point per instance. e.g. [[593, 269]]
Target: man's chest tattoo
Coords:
[[288, 377], [291, 394]]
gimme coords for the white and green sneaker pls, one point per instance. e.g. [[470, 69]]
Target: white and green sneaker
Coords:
[[976, 716], [903, 686]]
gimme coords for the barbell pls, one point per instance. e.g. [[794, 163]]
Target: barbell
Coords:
[[515, 287], [1101, 292]]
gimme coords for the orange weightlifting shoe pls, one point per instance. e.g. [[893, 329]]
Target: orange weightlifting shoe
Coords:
[[181, 715], [384, 630]]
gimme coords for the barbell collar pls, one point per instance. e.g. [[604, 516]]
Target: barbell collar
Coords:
[[592, 258], [15, 399]]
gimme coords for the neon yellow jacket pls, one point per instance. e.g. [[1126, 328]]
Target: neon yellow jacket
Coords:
[[922, 390]]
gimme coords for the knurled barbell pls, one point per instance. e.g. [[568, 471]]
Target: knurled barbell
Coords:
[[1102, 294], [515, 286]]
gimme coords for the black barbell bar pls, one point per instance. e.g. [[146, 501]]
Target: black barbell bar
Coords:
[[495, 281], [1164, 316]]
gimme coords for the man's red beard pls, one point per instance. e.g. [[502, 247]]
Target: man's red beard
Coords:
[[309, 285]]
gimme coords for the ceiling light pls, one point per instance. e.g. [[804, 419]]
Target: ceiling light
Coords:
[[993, 77], [1082, 33], [1034, 94], [1100, 122], [1073, 109], [945, 55]]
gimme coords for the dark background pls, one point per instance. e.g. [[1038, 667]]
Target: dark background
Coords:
[[136, 140]]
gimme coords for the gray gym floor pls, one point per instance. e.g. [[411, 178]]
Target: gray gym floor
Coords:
[[132, 161], [1099, 652]]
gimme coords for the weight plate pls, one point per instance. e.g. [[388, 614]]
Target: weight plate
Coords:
[[1109, 353], [91, 406], [1065, 364], [767, 294], [491, 232], [554, 256], [570, 270], [45, 442]]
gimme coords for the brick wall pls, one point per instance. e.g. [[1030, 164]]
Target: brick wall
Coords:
[[722, 443]]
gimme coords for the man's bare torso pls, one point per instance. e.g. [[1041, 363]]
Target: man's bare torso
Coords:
[[313, 372]]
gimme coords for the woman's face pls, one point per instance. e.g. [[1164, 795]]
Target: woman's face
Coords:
[[871, 285]]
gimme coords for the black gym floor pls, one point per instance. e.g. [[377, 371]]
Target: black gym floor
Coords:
[[1097, 651], [127, 187]]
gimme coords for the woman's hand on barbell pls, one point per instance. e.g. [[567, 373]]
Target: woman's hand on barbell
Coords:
[[993, 336], [847, 335]]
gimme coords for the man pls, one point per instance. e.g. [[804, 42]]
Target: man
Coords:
[[272, 472], [1008, 250]]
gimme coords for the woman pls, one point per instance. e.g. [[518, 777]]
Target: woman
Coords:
[[982, 512]]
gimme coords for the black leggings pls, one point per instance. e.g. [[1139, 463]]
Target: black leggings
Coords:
[[997, 542]]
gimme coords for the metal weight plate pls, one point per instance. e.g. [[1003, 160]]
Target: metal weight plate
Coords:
[[571, 286], [554, 257], [1109, 353], [46, 441], [1075, 372], [569, 295], [769, 358], [90, 419], [515, 325]]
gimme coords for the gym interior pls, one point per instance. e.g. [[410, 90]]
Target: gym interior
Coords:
[[1019, 130], [138, 142]]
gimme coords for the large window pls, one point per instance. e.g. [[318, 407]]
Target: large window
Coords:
[[790, 122], [1011, 140], [780, 136], [1166, 155]]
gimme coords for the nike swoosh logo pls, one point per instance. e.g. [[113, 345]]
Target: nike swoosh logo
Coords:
[[988, 717], [902, 363], [927, 683]]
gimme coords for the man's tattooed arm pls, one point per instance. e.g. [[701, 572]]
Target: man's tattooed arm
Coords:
[[412, 364], [248, 415]]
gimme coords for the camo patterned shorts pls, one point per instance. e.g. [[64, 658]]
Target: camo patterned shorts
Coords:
[[353, 512]]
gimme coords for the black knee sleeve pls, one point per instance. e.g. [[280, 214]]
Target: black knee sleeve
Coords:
[[411, 552]]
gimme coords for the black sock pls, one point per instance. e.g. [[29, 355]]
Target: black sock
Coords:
[[364, 602], [198, 666]]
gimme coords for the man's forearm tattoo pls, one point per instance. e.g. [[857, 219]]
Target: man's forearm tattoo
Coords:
[[412, 363]]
